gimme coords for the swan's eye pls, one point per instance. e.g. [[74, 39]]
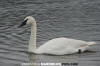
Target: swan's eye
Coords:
[[23, 23]]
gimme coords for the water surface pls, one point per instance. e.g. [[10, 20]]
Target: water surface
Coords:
[[78, 19]]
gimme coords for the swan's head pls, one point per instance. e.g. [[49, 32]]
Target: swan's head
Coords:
[[28, 20]]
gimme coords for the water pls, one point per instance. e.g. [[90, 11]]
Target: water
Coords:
[[78, 19]]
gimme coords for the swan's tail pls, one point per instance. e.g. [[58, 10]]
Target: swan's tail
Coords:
[[91, 43]]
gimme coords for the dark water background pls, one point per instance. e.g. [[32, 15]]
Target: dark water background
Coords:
[[78, 19]]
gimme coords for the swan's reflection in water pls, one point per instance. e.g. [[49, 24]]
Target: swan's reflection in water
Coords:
[[80, 59], [51, 59], [32, 59]]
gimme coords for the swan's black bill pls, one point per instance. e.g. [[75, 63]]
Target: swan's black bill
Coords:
[[23, 23]]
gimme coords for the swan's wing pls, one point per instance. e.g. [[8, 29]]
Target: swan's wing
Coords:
[[60, 46], [52, 46]]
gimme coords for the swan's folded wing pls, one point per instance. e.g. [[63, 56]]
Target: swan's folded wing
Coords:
[[57, 46]]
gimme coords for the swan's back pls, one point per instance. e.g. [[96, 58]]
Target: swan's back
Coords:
[[61, 46]]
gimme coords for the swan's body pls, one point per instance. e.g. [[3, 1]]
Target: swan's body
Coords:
[[57, 46], [61, 46]]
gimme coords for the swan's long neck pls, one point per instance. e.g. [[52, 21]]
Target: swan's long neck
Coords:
[[32, 41]]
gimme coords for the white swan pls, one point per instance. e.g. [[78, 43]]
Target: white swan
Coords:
[[57, 46]]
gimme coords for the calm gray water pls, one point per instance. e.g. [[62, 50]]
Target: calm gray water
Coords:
[[78, 19]]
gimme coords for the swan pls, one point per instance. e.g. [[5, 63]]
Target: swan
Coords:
[[56, 46]]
